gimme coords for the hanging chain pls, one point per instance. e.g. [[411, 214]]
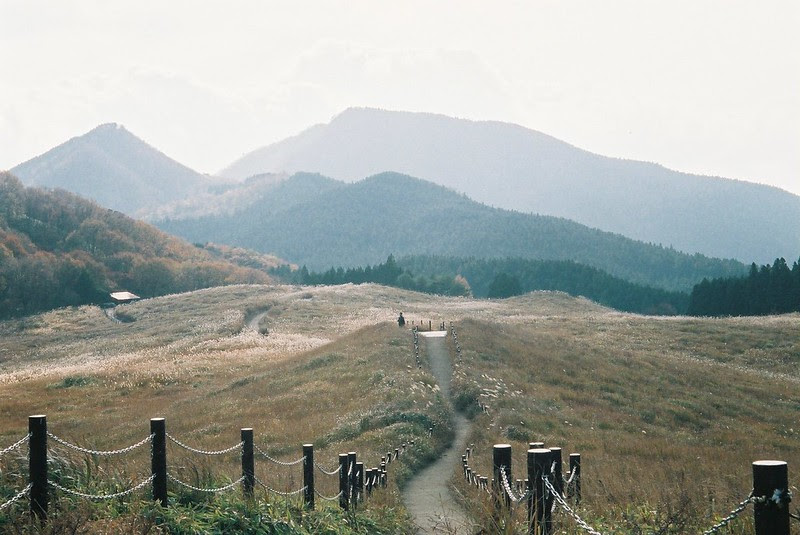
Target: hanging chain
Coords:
[[567, 509], [328, 472], [276, 461], [204, 452], [17, 497], [99, 452], [198, 489], [103, 496], [326, 498], [732, 515], [279, 493], [16, 444]]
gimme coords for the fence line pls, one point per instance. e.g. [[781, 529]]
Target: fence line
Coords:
[[356, 481]]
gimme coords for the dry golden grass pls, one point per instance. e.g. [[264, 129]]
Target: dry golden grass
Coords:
[[659, 407]]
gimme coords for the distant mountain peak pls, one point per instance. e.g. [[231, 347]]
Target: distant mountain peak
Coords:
[[115, 168]]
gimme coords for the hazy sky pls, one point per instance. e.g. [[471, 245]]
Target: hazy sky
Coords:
[[711, 87]]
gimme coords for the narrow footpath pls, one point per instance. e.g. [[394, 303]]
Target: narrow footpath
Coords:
[[427, 496]]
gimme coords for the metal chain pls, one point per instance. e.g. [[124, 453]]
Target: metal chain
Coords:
[[99, 452], [560, 500], [198, 489], [15, 445], [279, 493], [276, 461], [204, 452], [16, 498], [507, 486], [326, 472], [733, 514], [326, 498], [103, 496]]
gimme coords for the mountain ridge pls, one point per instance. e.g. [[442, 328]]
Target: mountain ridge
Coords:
[[513, 167], [362, 223]]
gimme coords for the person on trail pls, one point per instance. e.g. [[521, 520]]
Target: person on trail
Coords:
[[401, 321]]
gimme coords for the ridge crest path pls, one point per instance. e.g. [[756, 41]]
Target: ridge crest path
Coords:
[[427, 495]]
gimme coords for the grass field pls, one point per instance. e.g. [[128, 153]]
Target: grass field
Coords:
[[667, 412]]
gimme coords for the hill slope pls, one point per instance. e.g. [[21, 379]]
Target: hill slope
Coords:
[[57, 249], [114, 168], [312, 220], [512, 167]]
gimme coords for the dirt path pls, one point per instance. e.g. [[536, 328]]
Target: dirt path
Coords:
[[427, 495]]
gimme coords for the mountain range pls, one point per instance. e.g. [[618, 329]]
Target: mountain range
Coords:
[[114, 168], [512, 167], [313, 220]]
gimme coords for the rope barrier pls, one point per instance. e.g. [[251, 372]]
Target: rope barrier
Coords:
[[15, 445], [204, 452], [103, 496], [276, 461], [99, 452], [210, 490], [16, 497]]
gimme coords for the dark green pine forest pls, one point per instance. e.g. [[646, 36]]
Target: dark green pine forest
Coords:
[[767, 289]]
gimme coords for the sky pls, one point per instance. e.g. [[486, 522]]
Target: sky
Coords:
[[703, 86]]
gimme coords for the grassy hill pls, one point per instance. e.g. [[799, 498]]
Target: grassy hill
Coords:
[[668, 413], [512, 167], [114, 168], [57, 249], [319, 222]]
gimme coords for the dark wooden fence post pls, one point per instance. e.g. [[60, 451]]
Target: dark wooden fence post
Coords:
[[344, 480], [535, 445], [771, 480], [368, 481], [360, 481], [158, 428], [352, 479], [501, 457], [248, 463], [308, 475], [37, 465], [575, 475], [558, 483], [538, 468]]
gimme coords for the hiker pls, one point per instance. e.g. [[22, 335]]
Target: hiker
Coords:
[[401, 321]]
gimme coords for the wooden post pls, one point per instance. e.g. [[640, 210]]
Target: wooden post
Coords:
[[37, 465], [396, 453], [430, 325], [771, 480], [535, 445], [351, 483], [344, 479], [248, 463], [501, 457], [158, 463], [360, 482], [558, 483], [368, 482], [575, 474], [538, 468], [308, 475]]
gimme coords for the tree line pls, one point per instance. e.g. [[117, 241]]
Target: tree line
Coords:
[[766, 289]]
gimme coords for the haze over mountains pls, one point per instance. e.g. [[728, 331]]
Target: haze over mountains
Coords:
[[116, 169], [313, 220], [512, 167]]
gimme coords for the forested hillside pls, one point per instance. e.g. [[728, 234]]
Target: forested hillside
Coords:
[[321, 223], [504, 277], [769, 289], [512, 167], [57, 249]]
